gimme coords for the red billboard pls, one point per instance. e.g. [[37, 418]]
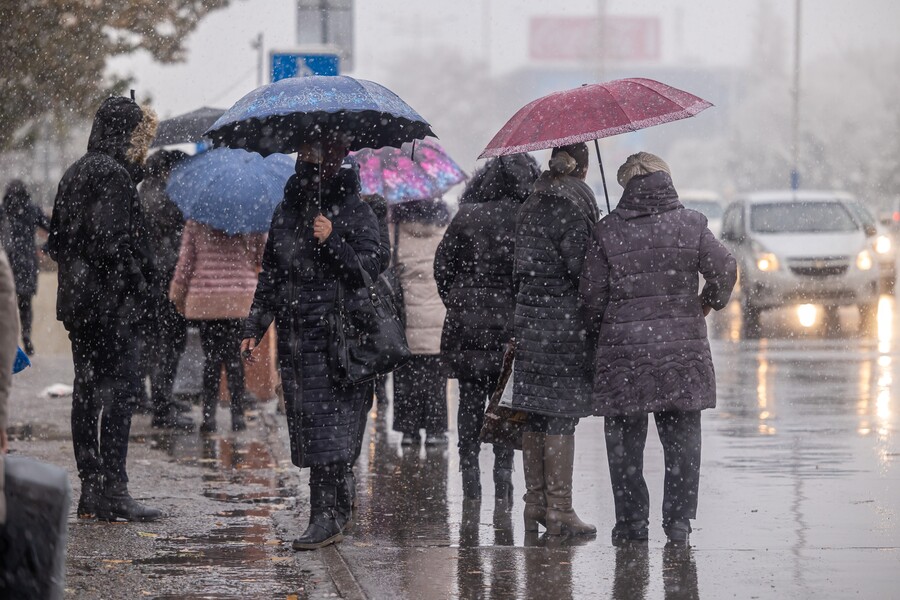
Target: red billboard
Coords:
[[579, 38]]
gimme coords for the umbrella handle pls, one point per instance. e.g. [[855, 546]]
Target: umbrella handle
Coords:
[[602, 176]]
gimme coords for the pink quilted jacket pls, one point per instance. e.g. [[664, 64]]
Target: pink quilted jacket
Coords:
[[216, 273]]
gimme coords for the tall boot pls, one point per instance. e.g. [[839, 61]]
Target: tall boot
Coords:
[[346, 498], [91, 492], [533, 466], [324, 526], [116, 504], [559, 458]]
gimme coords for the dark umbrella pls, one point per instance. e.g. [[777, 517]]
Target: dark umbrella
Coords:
[[282, 116], [187, 128], [591, 112]]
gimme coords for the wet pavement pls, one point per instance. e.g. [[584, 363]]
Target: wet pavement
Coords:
[[799, 497]]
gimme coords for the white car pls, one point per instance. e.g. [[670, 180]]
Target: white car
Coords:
[[706, 202], [799, 247]]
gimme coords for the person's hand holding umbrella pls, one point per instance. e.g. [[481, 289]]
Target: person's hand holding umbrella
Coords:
[[321, 228]]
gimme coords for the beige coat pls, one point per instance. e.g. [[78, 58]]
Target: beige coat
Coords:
[[425, 311], [9, 337]]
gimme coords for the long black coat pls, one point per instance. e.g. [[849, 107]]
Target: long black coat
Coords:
[[552, 350], [105, 267], [297, 288], [640, 284], [473, 268], [22, 218]]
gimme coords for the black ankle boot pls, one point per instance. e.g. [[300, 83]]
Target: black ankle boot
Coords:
[[471, 483], [91, 492], [172, 418], [324, 526], [629, 531], [116, 504], [678, 532]]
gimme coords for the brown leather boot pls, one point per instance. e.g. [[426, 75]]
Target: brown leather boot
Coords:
[[533, 466], [559, 457]]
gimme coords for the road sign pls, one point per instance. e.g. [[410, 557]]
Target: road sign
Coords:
[[303, 64]]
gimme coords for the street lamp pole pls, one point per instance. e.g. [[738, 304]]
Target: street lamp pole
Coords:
[[795, 117]]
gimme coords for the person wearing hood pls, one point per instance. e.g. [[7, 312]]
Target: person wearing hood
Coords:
[[22, 220], [473, 268], [321, 235], [105, 287], [420, 389], [163, 340], [640, 283], [552, 359]]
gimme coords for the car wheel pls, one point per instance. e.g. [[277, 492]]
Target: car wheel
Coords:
[[750, 317]]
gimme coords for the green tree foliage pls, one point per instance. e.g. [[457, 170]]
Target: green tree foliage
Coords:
[[53, 53]]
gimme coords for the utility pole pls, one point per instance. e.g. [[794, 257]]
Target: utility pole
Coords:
[[257, 45], [795, 116]]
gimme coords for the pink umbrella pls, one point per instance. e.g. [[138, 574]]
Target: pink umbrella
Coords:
[[591, 112], [411, 172]]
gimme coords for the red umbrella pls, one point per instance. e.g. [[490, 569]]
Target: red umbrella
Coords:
[[591, 112]]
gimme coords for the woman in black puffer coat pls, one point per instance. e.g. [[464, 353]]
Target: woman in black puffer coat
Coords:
[[321, 233], [550, 374], [22, 220], [473, 268]]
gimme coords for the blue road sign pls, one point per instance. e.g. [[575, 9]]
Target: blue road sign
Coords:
[[291, 64]]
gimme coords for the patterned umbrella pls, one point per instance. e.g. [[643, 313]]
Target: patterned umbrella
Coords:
[[281, 116], [404, 174]]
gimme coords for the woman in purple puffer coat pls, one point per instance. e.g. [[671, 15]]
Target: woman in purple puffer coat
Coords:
[[639, 283]]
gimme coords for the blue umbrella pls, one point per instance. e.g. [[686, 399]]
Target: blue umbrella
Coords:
[[281, 116], [230, 190]]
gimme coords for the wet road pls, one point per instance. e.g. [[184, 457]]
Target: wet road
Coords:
[[800, 489], [799, 497]]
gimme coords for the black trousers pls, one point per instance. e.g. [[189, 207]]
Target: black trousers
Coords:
[[221, 342], [679, 432], [166, 345], [473, 396], [26, 315], [106, 381], [420, 396]]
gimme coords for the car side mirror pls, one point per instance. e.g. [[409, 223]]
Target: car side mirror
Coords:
[[870, 231]]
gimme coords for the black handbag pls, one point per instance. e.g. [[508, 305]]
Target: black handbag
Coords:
[[367, 336]]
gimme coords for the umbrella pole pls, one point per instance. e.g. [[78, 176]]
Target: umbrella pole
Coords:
[[602, 176]]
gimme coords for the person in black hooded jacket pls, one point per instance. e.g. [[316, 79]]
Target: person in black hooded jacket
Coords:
[[105, 276], [22, 220], [322, 234], [473, 268]]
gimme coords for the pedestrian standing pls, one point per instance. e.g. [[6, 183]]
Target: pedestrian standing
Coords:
[[322, 236], [420, 388], [550, 374], [213, 286], [164, 338], [640, 284], [22, 221], [105, 287], [473, 268]]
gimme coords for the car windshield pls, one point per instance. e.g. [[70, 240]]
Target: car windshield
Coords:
[[710, 209], [801, 217], [862, 214]]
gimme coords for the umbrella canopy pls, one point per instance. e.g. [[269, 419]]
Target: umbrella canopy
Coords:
[[230, 190], [281, 116], [592, 112], [404, 174], [187, 128]]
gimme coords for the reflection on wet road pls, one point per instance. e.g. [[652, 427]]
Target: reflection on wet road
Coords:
[[800, 491]]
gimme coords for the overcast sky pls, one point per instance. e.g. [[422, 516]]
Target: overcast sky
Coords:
[[221, 66]]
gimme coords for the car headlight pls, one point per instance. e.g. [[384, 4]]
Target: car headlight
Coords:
[[767, 262], [864, 260], [882, 244]]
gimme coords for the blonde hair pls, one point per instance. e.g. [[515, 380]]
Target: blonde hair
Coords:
[[642, 163]]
